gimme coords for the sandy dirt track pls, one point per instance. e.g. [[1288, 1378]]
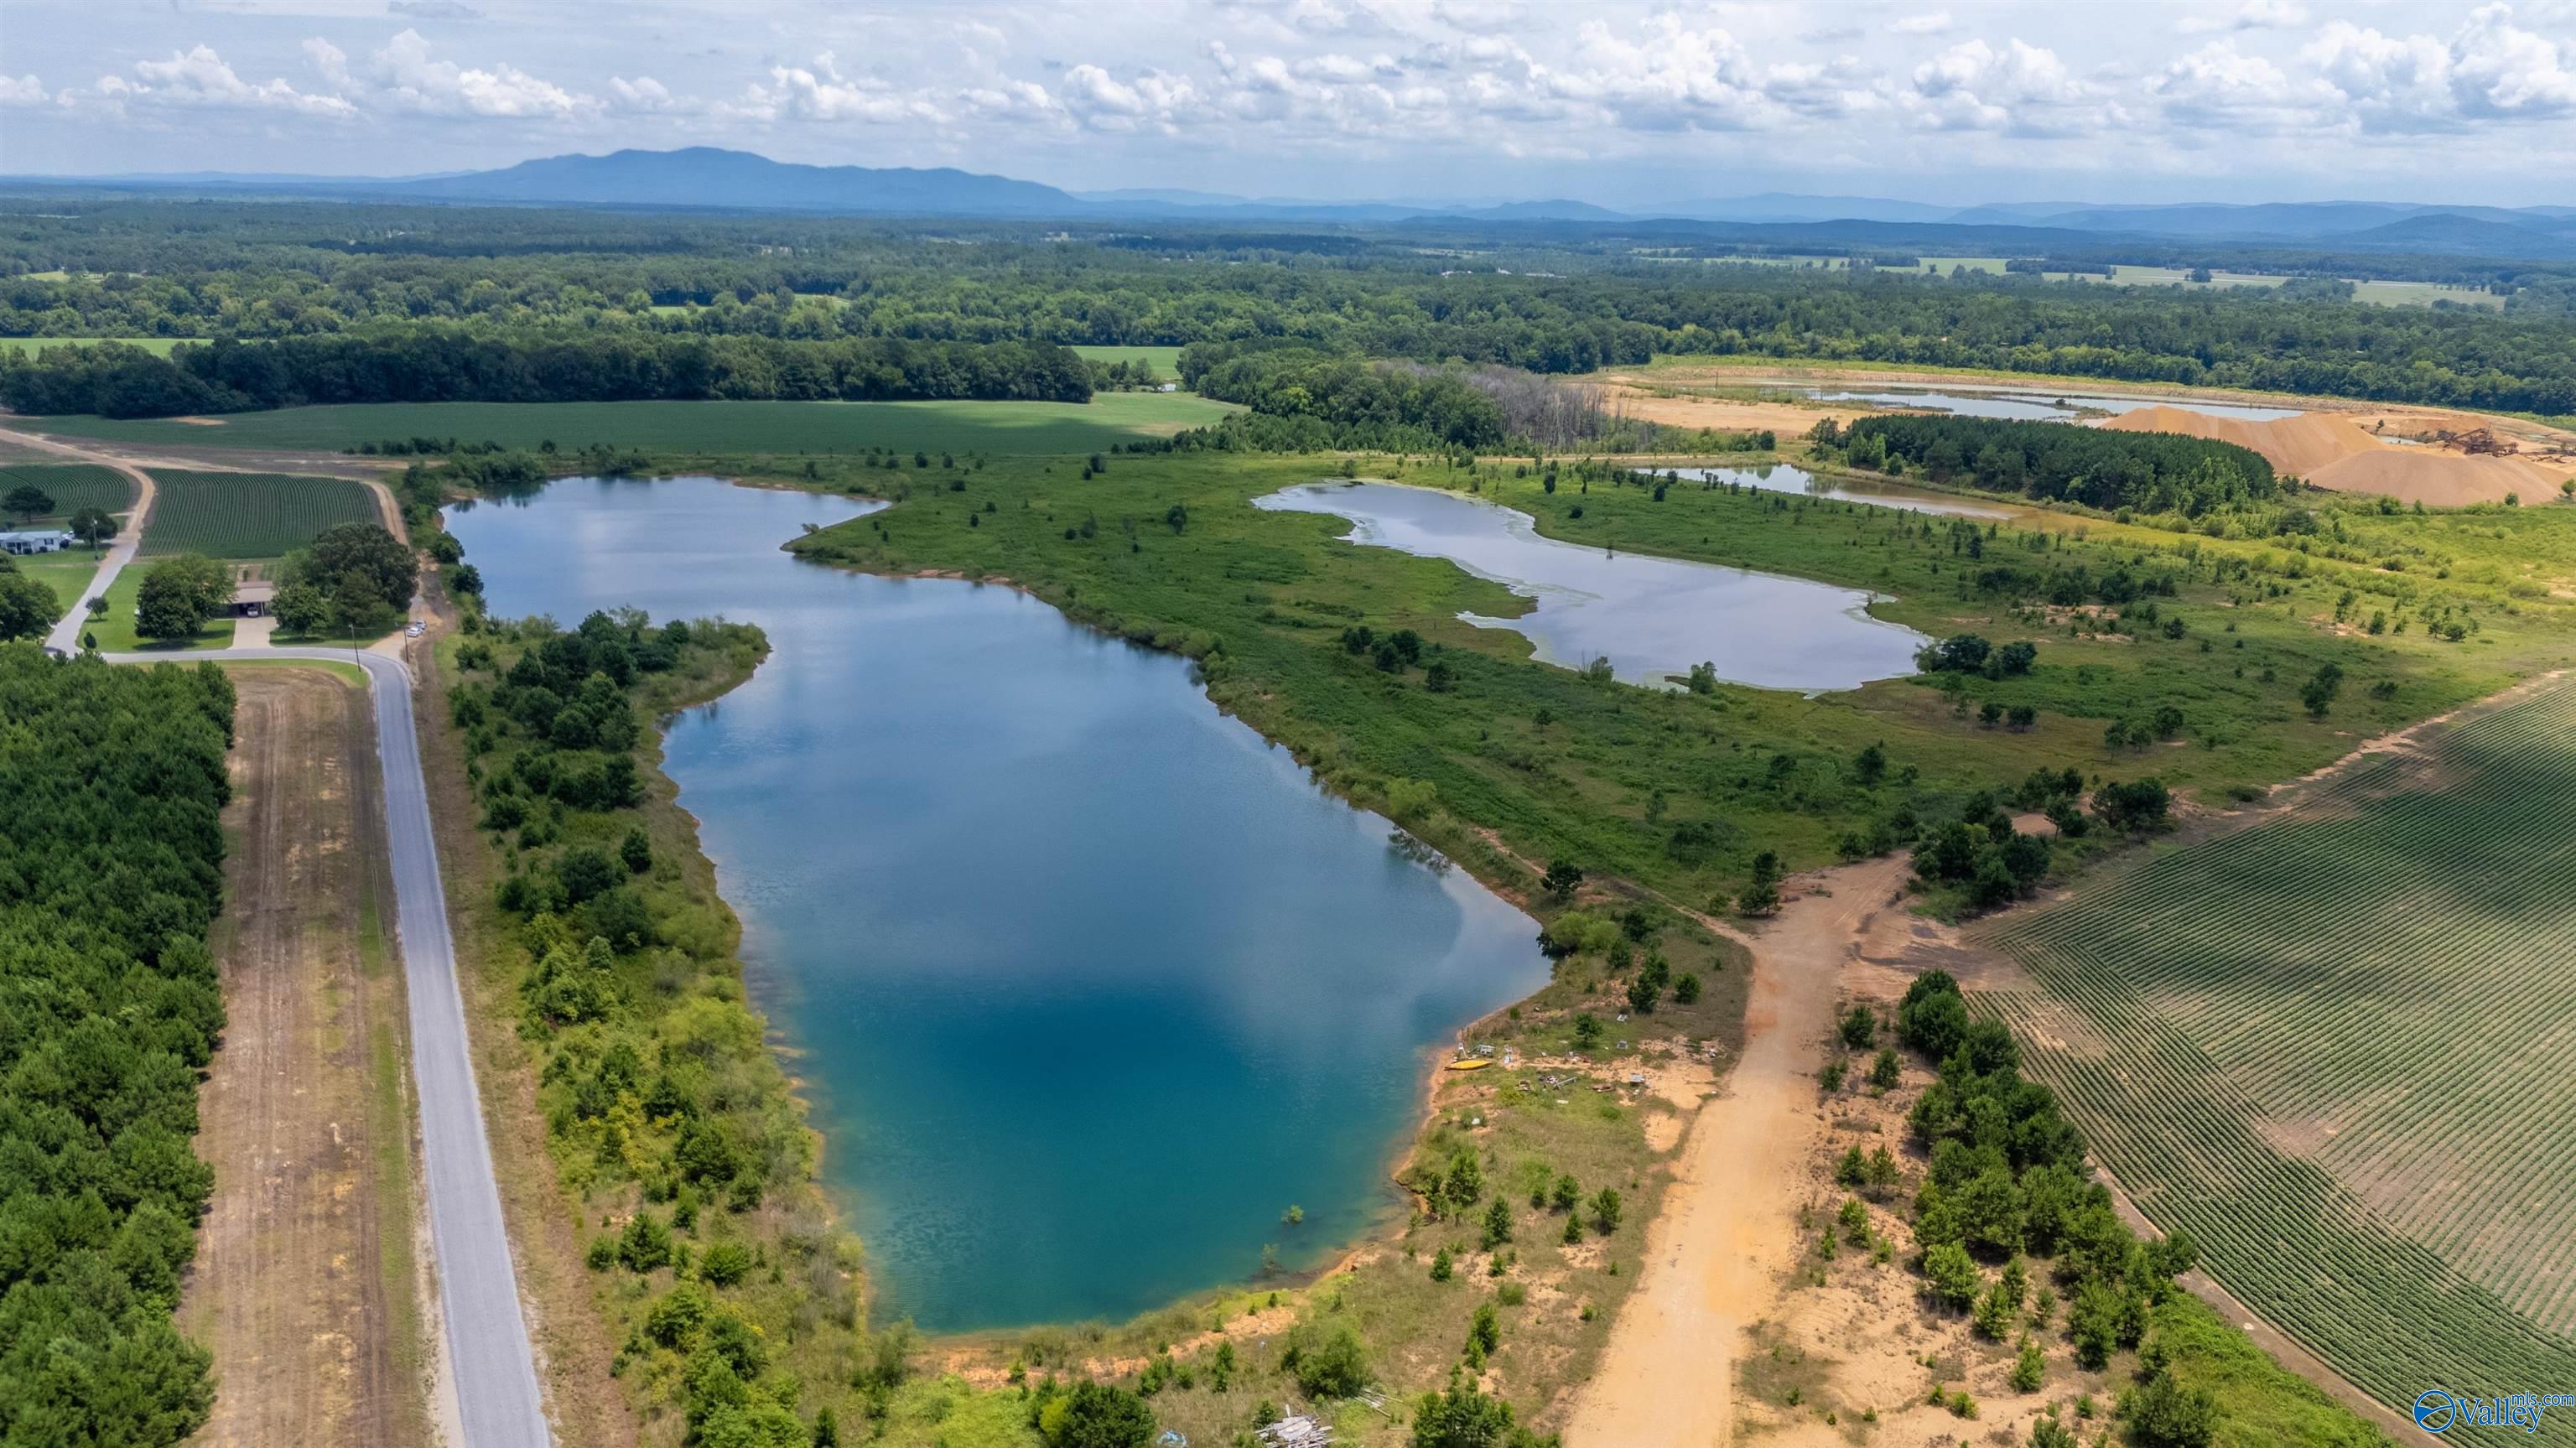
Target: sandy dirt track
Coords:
[[1727, 1229], [293, 1290]]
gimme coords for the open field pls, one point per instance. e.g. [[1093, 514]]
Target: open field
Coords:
[[72, 486], [305, 1280], [1166, 361], [686, 427], [32, 345], [66, 573], [2329, 1045], [249, 515]]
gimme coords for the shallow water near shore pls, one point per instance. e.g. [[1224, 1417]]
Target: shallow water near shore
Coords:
[[1087, 982], [1652, 617]]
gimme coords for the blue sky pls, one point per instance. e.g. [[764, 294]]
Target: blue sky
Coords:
[[1624, 104]]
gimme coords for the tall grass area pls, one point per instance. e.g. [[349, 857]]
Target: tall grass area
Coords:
[[705, 429]]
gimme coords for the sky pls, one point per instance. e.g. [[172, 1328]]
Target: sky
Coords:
[[1624, 104]]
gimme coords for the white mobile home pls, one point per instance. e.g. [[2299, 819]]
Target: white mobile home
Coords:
[[50, 540]]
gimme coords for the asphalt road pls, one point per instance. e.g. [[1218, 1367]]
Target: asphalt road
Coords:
[[489, 1360]]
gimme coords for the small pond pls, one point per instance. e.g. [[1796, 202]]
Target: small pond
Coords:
[[1087, 983], [1651, 617]]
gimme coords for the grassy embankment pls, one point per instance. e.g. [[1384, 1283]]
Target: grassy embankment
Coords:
[[686, 434], [658, 1170]]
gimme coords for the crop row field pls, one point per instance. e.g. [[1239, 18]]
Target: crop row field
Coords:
[[249, 515], [999, 428], [72, 486], [2333, 1047]]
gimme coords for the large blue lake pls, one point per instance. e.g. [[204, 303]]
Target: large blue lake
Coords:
[[1087, 982]]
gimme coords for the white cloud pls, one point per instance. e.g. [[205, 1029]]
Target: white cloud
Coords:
[[199, 77], [2022, 90], [409, 77], [329, 61], [821, 93], [2252, 15], [1931, 22], [2218, 88], [2489, 70], [644, 95], [21, 90]]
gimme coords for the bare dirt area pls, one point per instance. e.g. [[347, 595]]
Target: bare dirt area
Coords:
[[1643, 400], [306, 1283], [2399, 453], [1715, 1253]]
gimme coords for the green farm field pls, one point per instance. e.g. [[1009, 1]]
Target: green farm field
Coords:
[[32, 345], [2331, 1046], [72, 486], [687, 427], [249, 515], [1166, 360]]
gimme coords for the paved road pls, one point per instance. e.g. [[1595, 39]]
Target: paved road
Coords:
[[489, 1360]]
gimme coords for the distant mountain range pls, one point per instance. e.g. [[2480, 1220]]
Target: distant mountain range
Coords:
[[741, 181]]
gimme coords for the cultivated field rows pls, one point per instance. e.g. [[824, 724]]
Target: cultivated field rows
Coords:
[[2332, 1047]]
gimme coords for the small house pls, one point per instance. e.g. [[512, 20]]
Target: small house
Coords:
[[254, 598], [45, 540]]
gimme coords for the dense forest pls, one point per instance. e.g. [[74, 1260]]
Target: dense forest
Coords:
[[2151, 472], [444, 364], [1547, 301], [110, 872]]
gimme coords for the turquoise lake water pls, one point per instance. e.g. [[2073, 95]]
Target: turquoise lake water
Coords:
[[1088, 982]]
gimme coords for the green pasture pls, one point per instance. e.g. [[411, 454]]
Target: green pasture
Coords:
[[992, 428], [30, 346]]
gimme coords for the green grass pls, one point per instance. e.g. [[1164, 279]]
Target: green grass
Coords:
[[249, 515], [65, 573], [30, 346], [114, 629], [689, 427], [1166, 361], [2422, 294], [2328, 1047], [72, 486], [370, 954]]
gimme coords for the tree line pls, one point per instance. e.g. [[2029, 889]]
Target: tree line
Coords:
[[2152, 472], [110, 874], [284, 271], [444, 364]]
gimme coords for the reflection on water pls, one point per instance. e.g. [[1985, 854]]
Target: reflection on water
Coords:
[[1651, 617], [2043, 406], [1784, 478], [1088, 982]]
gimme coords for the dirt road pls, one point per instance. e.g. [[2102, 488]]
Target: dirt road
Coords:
[[304, 1280], [1729, 1224], [66, 633]]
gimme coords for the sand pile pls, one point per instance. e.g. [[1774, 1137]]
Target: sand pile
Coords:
[[2303, 445], [2332, 450]]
